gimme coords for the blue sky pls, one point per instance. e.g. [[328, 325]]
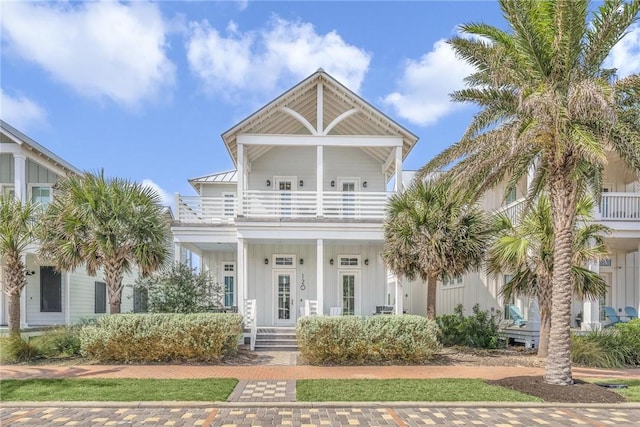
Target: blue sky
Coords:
[[144, 90]]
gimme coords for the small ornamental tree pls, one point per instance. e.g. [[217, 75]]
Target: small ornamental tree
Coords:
[[181, 289]]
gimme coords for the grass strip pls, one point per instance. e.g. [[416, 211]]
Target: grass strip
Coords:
[[117, 389], [431, 390], [632, 392]]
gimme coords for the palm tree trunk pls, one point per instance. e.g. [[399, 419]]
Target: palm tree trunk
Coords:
[[563, 203], [432, 283], [14, 314], [14, 282], [113, 278], [544, 303], [545, 328]]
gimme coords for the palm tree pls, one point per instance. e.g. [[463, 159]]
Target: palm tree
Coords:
[[525, 250], [17, 232], [431, 232], [108, 224], [546, 101]]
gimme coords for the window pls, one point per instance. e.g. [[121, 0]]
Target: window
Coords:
[[7, 190], [349, 261], [452, 281], [41, 195], [100, 300], [284, 260], [348, 293], [511, 195], [605, 262], [140, 300], [50, 290], [229, 280]]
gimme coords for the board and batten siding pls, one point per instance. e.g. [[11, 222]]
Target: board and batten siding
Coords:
[[298, 162], [476, 288], [352, 162], [37, 174], [83, 295], [6, 168], [34, 317], [217, 189]]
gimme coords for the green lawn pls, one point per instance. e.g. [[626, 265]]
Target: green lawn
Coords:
[[434, 390], [121, 390], [632, 393]]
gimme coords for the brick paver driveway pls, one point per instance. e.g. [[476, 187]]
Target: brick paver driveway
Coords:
[[176, 414]]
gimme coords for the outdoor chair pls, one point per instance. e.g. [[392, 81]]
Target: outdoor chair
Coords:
[[384, 309], [516, 316], [610, 313], [335, 311], [631, 313]]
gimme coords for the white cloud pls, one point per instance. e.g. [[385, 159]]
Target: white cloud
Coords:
[[20, 111], [625, 55], [102, 49], [166, 199], [423, 90], [268, 59]]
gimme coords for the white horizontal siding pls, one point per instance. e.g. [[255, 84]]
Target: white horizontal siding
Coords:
[[216, 190]]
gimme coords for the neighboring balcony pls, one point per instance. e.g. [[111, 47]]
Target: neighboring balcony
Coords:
[[613, 207], [295, 205]]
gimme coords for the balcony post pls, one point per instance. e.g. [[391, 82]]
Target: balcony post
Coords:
[[398, 184], [241, 183], [319, 180], [399, 296], [241, 274], [176, 203], [19, 176], [590, 308]]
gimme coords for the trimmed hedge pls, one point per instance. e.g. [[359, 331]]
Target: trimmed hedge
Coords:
[[377, 339], [203, 337]]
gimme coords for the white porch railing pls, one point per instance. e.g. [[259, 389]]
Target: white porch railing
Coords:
[[211, 210], [513, 210], [251, 321], [620, 206], [283, 205]]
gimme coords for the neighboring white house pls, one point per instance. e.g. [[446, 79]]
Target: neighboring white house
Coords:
[[300, 220], [28, 170], [619, 209]]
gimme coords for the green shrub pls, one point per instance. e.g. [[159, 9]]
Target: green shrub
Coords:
[[205, 337], [377, 339], [479, 330], [20, 350], [615, 347], [59, 342]]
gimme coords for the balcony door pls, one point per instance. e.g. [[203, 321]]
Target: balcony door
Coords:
[[348, 187], [284, 186]]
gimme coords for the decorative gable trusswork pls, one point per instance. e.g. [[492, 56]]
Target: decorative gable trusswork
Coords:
[[320, 105]]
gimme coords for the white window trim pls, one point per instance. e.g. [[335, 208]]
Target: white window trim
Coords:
[[293, 179], [358, 294], [350, 267], [5, 188], [458, 284], [342, 179], [283, 267], [36, 184], [233, 274]]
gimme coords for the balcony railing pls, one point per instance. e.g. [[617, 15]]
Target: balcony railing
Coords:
[[301, 205], [620, 207], [613, 207]]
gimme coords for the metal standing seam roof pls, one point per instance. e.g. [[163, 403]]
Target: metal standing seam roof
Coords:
[[218, 177]]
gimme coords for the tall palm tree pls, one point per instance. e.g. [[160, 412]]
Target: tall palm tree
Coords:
[[430, 232], [109, 224], [525, 250], [546, 101], [17, 232]]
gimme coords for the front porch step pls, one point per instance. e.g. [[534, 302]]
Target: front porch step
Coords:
[[276, 338]]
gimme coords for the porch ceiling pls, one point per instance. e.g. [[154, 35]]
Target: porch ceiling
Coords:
[[619, 244]]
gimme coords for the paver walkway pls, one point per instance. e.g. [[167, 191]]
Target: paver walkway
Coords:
[[264, 391]]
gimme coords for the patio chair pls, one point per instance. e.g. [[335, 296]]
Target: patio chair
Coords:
[[631, 313], [335, 311], [516, 316], [610, 313]]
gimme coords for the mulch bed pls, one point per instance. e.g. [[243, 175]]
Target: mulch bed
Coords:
[[580, 392]]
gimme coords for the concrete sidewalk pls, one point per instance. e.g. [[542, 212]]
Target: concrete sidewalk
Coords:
[[268, 372]]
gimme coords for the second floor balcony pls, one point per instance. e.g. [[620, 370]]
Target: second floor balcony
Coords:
[[283, 205]]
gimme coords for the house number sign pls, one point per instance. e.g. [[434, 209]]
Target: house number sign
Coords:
[[302, 286]]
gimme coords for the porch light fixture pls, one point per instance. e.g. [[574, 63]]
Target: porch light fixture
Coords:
[[29, 273], [268, 183], [301, 183], [301, 261], [333, 183], [366, 261], [266, 261], [364, 184], [331, 261]]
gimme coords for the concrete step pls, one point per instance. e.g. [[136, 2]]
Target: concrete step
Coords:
[[276, 347], [276, 338]]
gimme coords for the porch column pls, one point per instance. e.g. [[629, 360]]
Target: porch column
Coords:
[[177, 253], [319, 180], [398, 185], [590, 308], [399, 295], [241, 275], [320, 276], [241, 183], [638, 280], [20, 176]]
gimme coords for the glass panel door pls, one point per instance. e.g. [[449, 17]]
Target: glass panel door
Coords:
[[284, 187], [285, 312], [348, 188], [348, 282]]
